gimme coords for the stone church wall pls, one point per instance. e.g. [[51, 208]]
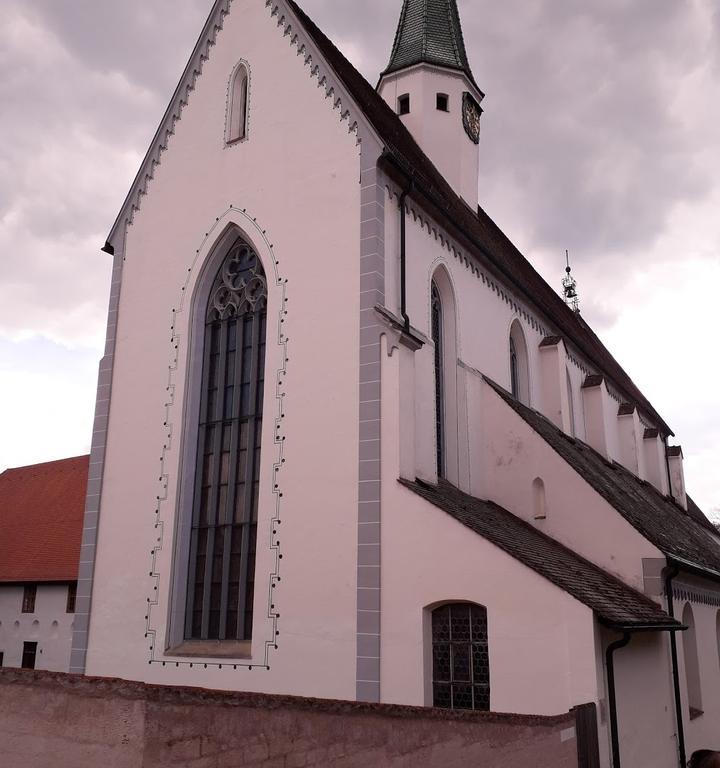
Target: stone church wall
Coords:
[[54, 720]]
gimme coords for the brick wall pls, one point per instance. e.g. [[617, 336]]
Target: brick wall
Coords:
[[50, 720]]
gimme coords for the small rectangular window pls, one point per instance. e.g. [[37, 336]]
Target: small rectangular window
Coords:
[[404, 105], [1, 658], [29, 654], [29, 594], [443, 102], [71, 595]]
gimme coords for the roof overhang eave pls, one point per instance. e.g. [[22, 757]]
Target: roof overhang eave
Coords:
[[694, 568], [632, 628], [479, 93]]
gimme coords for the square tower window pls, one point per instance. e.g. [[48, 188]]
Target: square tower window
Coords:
[[404, 105], [443, 102]]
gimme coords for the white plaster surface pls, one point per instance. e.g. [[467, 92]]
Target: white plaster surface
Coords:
[[297, 174], [50, 626]]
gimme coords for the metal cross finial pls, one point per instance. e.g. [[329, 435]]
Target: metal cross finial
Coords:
[[569, 283]]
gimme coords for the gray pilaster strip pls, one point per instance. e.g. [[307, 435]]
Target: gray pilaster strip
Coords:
[[78, 653], [372, 292]]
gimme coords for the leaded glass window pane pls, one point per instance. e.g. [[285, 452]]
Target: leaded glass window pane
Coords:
[[461, 668], [437, 337], [222, 546]]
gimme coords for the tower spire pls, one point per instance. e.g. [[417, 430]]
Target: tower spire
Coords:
[[430, 32]]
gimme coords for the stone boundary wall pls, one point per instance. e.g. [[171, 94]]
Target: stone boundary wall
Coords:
[[52, 720]]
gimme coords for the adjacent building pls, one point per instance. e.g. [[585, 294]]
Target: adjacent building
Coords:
[[349, 444], [41, 520]]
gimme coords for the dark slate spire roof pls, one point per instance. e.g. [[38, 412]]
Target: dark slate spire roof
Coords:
[[430, 32]]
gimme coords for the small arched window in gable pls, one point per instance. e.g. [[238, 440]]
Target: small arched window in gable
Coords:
[[692, 663], [539, 504], [461, 664], [519, 367], [237, 113]]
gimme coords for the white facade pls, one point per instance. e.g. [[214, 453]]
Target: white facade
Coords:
[[349, 563], [50, 625]]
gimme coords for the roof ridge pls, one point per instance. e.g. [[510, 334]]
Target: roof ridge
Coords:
[[45, 463]]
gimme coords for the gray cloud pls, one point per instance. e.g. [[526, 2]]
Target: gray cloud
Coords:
[[599, 135]]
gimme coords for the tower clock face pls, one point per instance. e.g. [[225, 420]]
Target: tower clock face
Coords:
[[471, 117]]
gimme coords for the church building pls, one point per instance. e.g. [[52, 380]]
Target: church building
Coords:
[[349, 444]]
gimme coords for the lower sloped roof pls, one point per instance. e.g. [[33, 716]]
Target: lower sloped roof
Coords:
[[41, 520], [615, 603], [677, 533]]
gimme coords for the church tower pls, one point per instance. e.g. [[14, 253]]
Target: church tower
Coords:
[[430, 85]]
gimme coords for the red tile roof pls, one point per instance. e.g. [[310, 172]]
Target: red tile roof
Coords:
[[41, 520]]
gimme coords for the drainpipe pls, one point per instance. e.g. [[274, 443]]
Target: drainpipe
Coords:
[[610, 662], [403, 262], [671, 574]]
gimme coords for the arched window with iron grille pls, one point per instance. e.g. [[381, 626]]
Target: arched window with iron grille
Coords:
[[225, 499], [461, 664]]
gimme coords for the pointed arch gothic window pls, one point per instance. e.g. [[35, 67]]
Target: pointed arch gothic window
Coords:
[[236, 128], [519, 364], [219, 604], [461, 663], [514, 372], [437, 337]]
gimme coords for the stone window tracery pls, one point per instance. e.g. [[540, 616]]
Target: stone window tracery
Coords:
[[225, 499], [461, 664]]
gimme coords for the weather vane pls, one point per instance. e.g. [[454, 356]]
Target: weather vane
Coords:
[[570, 287]]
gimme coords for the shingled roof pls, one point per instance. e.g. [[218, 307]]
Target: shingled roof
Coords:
[[616, 604], [475, 229], [41, 521], [679, 534], [429, 32]]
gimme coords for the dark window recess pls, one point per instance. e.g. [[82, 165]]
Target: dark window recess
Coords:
[[1, 658], [29, 595], [443, 102], [461, 669], [437, 337], [404, 105], [29, 654], [71, 595], [227, 480], [514, 370]]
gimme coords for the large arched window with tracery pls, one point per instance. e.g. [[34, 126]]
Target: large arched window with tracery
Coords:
[[461, 665], [225, 499]]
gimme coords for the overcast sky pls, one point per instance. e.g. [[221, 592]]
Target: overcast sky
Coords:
[[600, 134]]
